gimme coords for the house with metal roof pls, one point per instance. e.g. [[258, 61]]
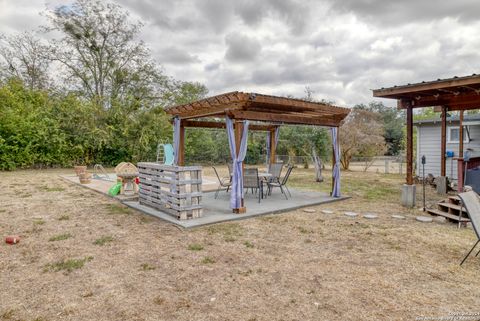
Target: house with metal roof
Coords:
[[429, 136]]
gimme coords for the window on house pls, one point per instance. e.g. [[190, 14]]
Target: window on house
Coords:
[[453, 135]]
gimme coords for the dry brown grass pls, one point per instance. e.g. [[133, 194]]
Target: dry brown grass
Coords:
[[293, 266]]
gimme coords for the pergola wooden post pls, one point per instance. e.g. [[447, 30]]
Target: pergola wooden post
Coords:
[[259, 108], [273, 146], [457, 93]]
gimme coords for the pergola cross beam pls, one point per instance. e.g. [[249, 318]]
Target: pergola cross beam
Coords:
[[219, 125]]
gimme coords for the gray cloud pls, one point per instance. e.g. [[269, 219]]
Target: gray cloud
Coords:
[[177, 56], [216, 12], [296, 13], [407, 11], [212, 66], [293, 12], [251, 11], [241, 48]]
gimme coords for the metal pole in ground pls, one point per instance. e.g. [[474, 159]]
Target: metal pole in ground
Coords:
[[466, 159]]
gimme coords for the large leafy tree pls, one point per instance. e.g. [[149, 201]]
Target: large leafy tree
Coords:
[[393, 121], [361, 135], [100, 55]]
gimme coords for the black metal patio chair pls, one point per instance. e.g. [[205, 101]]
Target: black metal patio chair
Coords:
[[252, 181], [282, 184], [275, 170], [230, 169], [222, 182]]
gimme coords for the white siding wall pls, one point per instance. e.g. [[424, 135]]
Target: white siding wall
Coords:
[[429, 144]]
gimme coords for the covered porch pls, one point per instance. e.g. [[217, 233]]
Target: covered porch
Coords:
[[457, 94]]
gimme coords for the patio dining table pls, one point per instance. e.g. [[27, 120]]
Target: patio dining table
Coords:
[[264, 175]]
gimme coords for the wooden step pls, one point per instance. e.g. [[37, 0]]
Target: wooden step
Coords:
[[452, 206], [447, 215], [454, 198]]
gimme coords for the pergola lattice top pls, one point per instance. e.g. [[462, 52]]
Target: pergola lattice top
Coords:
[[458, 93], [265, 108]]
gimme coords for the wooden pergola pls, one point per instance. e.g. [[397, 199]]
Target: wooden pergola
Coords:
[[268, 112], [453, 94]]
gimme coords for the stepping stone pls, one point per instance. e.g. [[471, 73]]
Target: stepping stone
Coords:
[[424, 219], [351, 214], [309, 210], [327, 212], [398, 217], [370, 216]]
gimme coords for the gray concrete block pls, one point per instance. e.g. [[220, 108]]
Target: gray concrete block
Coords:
[[441, 182], [408, 195]]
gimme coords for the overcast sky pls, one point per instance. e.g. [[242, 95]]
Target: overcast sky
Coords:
[[340, 49]]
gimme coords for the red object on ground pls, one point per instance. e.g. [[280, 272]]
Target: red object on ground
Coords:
[[14, 239], [137, 180]]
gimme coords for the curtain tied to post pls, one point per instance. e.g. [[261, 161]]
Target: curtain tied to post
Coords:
[[236, 194], [176, 138], [336, 165]]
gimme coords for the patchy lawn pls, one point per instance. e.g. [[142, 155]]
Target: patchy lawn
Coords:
[[84, 256]]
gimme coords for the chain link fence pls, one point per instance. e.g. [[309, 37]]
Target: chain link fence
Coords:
[[378, 164]]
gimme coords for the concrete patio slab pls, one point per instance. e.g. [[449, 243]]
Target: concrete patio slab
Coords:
[[218, 210]]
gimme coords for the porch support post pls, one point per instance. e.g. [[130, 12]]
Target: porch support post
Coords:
[[443, 150], [409, 189], [460, 169], [238, 141], [460, 131], [410, 146], [442, 180]]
